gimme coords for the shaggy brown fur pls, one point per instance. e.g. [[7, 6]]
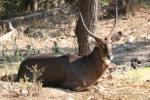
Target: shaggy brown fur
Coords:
[[69, 71]]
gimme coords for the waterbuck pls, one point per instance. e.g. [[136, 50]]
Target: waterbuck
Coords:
[[70, 71]]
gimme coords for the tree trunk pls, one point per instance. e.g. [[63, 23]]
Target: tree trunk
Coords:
[[34, 5], [88, 9]]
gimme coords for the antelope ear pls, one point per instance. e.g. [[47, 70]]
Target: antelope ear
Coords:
[[117, 36]]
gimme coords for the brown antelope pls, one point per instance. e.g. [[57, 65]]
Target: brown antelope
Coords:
[[71, 71]]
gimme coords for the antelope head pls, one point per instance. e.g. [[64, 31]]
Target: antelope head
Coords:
[[104, 48], [104, 45]]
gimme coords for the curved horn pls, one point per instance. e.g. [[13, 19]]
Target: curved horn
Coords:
[[115, 21], [89, 32]]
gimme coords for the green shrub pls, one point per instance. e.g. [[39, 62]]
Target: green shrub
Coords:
[[9, 8]]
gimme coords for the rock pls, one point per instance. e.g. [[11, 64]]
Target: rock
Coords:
[[134, 65], [136, 62]]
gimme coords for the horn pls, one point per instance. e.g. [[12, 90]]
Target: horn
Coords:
[[89, 32], [115, 21]]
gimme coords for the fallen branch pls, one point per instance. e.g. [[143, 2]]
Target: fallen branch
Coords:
[[38, 15]]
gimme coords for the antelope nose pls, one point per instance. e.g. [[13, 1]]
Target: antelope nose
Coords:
[[110, 56]]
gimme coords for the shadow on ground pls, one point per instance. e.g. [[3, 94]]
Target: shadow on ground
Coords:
[[124, 53], [11, 55]]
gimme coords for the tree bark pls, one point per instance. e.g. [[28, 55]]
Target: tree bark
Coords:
[[88, 9], [34, 6]]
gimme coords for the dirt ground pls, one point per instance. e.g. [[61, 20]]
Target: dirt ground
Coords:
[[120, 85]]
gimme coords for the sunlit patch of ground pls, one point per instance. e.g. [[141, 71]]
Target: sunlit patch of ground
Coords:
[[131, 85], [141, 74]]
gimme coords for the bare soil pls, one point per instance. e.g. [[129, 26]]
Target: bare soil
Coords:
[[116, 86]]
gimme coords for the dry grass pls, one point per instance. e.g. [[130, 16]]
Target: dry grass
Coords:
[[132, 85]]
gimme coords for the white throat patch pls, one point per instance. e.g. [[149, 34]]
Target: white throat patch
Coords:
[[108, 62]]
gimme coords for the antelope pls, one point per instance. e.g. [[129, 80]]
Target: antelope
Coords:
[[72, 72]]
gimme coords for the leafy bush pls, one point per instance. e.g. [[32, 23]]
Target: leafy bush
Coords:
[[103, 2], [9, 8]]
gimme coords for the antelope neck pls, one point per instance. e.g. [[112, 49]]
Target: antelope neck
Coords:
[[95, 56]]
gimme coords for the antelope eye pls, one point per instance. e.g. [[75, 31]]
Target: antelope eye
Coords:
[[103, 46], [105, 39]]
